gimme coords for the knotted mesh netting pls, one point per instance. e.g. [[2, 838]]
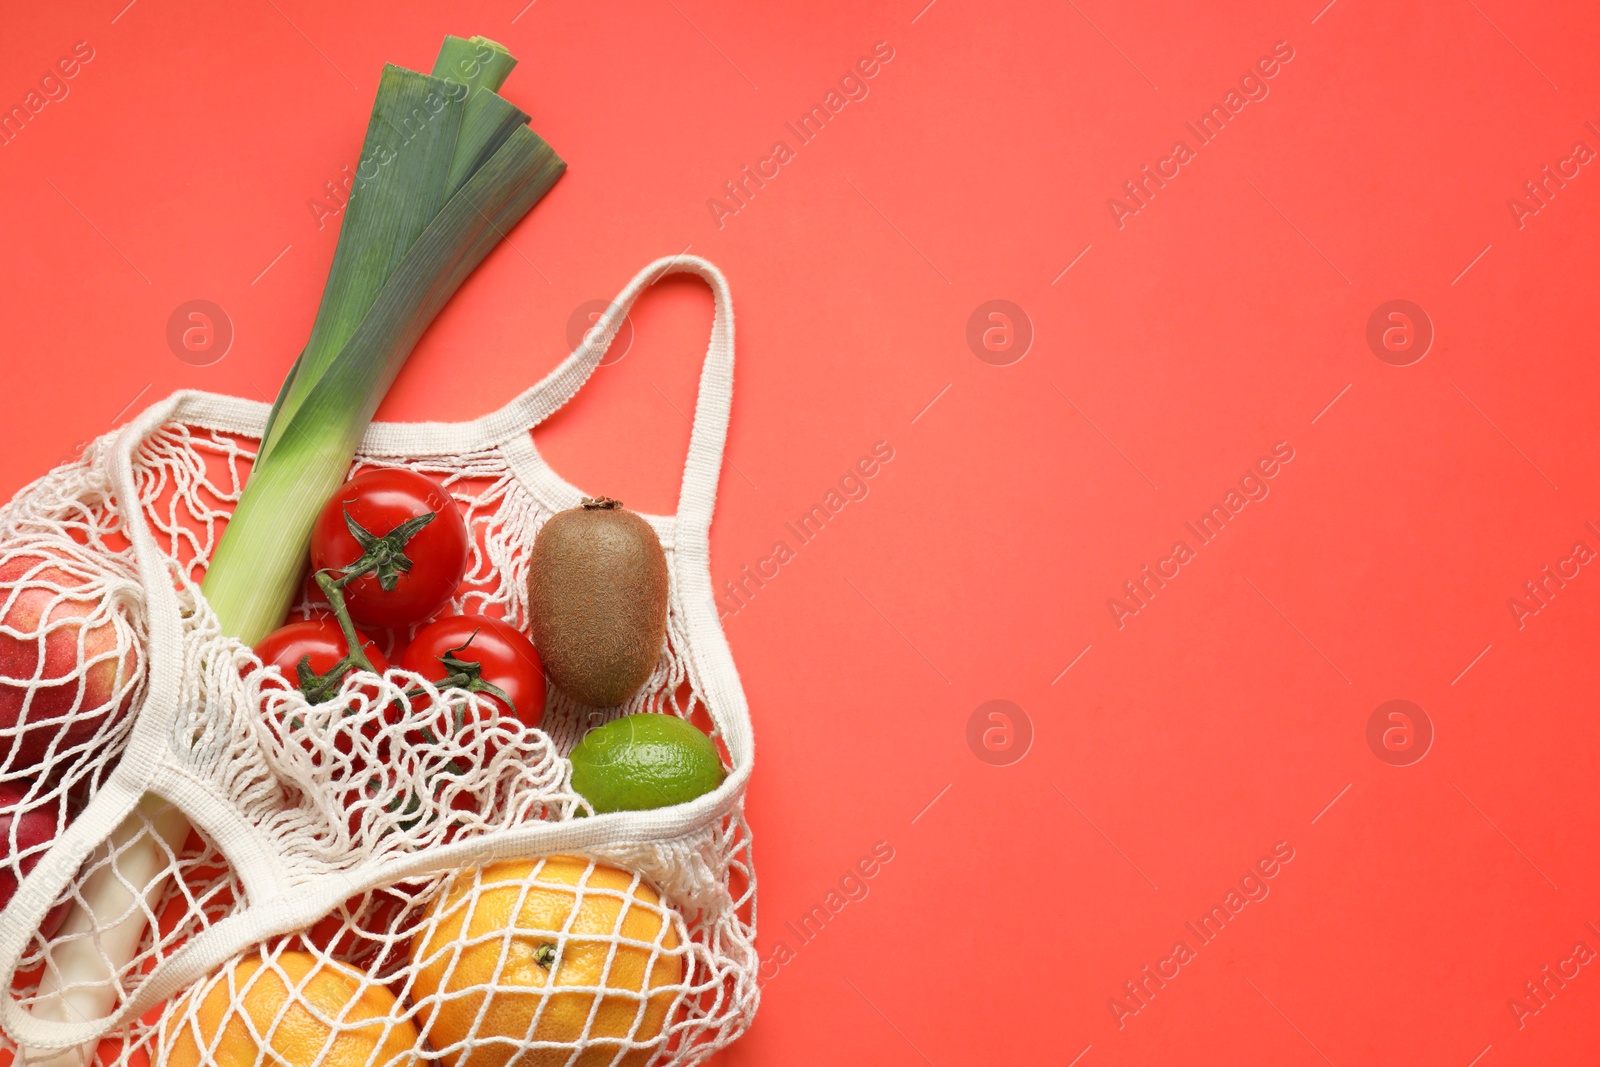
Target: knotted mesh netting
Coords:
[[393, 875]]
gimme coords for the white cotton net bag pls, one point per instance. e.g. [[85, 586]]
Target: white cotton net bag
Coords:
[[351, 883]]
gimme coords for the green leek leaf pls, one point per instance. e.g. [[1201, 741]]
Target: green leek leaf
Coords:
[[450, 167]]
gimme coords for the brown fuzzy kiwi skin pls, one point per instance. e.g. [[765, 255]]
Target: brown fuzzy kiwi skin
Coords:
[[597, 595]]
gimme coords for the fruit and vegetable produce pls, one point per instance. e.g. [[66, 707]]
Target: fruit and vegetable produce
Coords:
[[644, 761], [522, 958], [481, 654], [525, 963], [292, 1010], [422, 215], [62, 678], [315, 657], [26, 829], [597, 592], [447, 168], [394, 544]]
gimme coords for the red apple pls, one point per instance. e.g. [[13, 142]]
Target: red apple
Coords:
[[26, 829], [51, 690]]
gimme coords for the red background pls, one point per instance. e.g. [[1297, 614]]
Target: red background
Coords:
[[1222, 318]]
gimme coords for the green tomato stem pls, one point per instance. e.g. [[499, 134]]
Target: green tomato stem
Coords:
[[332, 589]]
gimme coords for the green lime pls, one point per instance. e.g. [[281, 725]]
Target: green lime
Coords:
[[644, 761]]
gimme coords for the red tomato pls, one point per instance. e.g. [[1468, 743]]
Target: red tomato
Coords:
[[318, 640], [376, 519], [487, 649]]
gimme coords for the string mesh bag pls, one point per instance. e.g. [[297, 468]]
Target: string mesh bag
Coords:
[[394, 874]]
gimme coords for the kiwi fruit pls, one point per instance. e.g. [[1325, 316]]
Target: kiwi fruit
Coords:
[[597, 594]]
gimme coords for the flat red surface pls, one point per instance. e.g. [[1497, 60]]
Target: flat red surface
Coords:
[[1228, 716]]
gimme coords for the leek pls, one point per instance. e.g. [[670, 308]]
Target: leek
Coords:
[[447, 167], [428, 212]]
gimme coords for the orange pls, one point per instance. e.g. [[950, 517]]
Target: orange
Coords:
[[293, 1011], [518, 967]]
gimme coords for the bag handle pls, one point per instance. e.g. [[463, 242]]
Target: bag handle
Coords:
[[697, 496], [541, 400], [702, 468]]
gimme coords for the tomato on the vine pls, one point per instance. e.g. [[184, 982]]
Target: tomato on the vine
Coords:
[[488, 655], [322, 646], [395, 543], [319, 646]]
